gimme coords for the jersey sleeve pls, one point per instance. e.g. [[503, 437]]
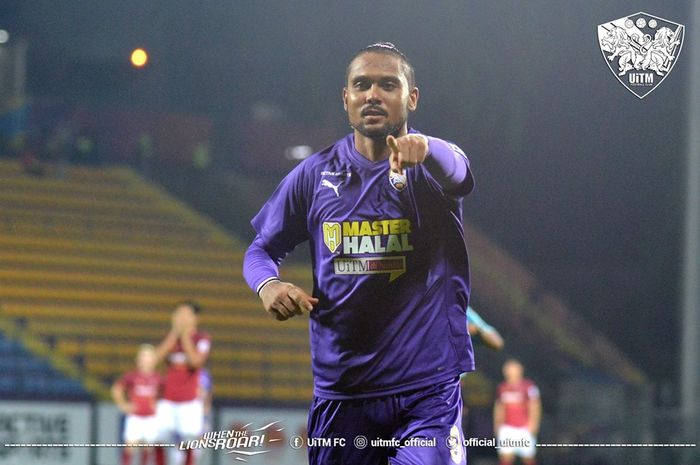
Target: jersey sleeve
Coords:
[[203, 345], [533, 391], [280, 226], [449, 168], [475, 319]]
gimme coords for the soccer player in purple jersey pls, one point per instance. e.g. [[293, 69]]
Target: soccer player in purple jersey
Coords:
[[382, 211]]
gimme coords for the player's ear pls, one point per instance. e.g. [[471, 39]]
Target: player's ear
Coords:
[[413, 99], [345, 98]]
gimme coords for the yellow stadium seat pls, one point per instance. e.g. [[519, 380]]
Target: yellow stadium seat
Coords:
[[93, 264]]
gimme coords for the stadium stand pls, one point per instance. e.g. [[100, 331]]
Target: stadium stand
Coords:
[[92, 263]]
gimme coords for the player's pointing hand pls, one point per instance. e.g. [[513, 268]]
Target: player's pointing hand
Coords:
[[284, 300], [408, 150]]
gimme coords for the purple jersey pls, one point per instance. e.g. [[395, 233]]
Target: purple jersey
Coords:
[[390, 269]]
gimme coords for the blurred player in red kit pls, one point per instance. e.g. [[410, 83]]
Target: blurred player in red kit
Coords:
[[185, 350], [516, 415], [136, 394]]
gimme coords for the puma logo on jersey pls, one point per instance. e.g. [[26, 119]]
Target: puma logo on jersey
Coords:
[[327, 183]]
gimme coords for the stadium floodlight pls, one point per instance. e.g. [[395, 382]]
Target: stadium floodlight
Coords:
[[139, 57]]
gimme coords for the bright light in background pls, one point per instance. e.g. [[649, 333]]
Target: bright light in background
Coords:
[[139, 58], [298, 152], [4, 36]]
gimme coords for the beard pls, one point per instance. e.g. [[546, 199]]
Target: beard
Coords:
[[379, 133]]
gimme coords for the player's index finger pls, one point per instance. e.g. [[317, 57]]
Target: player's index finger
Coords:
[[299, 297], [391, 141]]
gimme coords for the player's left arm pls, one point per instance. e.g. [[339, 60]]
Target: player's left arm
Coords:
[[445, 162], [534, 412], [196, 353], [488, 334]]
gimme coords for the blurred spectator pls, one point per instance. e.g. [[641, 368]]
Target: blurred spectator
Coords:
[[23, 148], [85, 148], [145, 153], [196, 175], [59, 145], [516, 415], [30, 162], [181, 411], [201, 157], [136, 394]]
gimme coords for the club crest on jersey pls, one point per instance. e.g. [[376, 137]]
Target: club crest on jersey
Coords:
[[640, 50], [397, 180], [331, 236]]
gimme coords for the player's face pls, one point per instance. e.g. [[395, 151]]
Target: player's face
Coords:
[[186, 316], [512, 371], [377, 97], [146, 361]]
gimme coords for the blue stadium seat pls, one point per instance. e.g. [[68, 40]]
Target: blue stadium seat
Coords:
[[8, 346], [25, 376], [9, 362], [9, 384]]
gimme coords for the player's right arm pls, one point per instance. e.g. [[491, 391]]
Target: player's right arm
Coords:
[[497, 415], [280, 226], [168, 343], [119, 397]]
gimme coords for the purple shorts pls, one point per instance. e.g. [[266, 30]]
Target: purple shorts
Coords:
[[421, 427]]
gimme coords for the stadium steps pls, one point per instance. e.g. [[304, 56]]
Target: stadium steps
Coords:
[[150, 321], [92, 232], [15, 292], [91, 265], [92, 349], [233, 316], [49, 218], [254, 334], [120, 282], [11, 170], [93, 248], [64, 261], [88, 206], [68, 188], [238, 374]]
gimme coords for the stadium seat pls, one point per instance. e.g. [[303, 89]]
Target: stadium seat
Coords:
[[93, 263]]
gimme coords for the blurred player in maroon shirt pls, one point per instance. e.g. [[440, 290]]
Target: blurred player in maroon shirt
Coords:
[[185, 350], [516, 415], [136, 394]]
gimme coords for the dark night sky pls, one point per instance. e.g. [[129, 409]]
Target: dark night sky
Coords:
[[576, 177]]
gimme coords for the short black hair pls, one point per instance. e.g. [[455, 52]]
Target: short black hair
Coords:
[[196, 308], [389, 49]]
